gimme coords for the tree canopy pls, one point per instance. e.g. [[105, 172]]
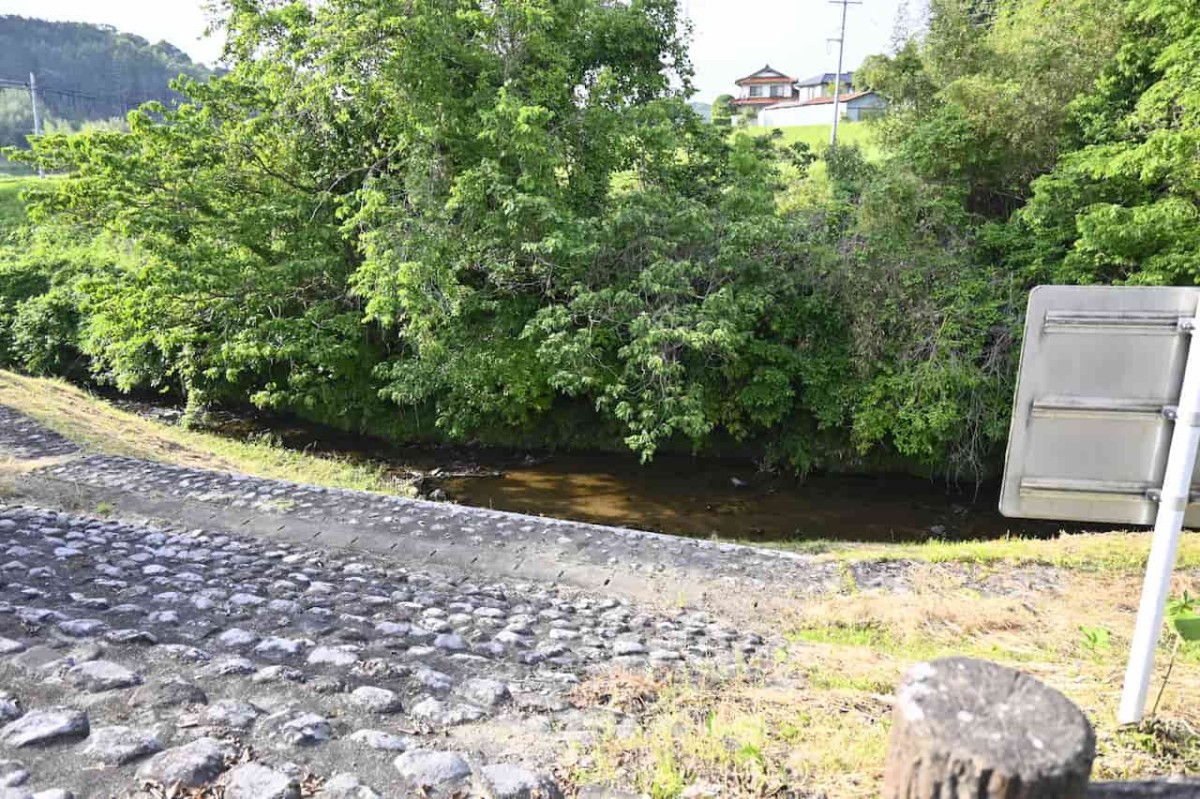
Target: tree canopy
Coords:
[[503, 223]]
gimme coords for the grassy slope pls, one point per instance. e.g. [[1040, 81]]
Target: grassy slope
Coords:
[[1116, 552], [12, 212], [99, 427], [817, 136]]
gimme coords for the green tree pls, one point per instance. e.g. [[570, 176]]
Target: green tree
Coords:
[[1125, 205], [723, 110], [982, 100]]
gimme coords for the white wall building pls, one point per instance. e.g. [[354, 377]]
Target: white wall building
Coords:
[[819, 110]]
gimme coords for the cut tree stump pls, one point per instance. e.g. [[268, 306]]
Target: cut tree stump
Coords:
[[969, 728]]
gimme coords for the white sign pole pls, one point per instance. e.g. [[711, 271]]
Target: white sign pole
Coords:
[[1177, 483]]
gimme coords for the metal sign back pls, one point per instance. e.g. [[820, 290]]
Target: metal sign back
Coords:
[[1101, 370]]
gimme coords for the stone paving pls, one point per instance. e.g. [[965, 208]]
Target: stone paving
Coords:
[[24, 439], [132, 655], [274, 640], [742, 582], [528, 546]]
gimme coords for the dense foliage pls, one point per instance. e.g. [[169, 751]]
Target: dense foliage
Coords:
[[503, 223], [89, 74]]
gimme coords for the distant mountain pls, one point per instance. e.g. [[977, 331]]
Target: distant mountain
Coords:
[[703, 109], [85, 73]]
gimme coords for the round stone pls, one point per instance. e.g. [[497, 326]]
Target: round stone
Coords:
[[625, 648], [51, 725], [233, 666], [82, 628], [10, 708], [276, 647], [116, 746], [306, 729], [504, 781], [376, 700], [236, 638], [484, 692], [170, 692], [346, 786], [426, 768], [451, 642], [230, 713], [102, 675], [333, 656], [188, 766], [444, 714], [377, 739], [255, 781]]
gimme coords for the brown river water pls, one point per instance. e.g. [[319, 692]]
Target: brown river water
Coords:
[[723, 498]]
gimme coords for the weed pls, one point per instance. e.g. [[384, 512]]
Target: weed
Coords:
[[1096, 640]]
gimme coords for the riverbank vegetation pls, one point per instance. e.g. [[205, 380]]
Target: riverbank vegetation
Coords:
[[506, 226], [98, 427]]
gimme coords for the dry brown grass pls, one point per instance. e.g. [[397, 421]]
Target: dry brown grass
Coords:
[[813, 717], [627, 691]]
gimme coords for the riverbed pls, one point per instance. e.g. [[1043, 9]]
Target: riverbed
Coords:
[[704, 497]]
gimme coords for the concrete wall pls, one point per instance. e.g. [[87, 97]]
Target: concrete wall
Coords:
[[859, 108], [796, 115]]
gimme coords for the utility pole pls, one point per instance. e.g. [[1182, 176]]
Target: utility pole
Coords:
[[837, 79], [37, 119]]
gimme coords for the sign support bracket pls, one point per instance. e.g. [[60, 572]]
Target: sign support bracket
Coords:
[[1168, 524]]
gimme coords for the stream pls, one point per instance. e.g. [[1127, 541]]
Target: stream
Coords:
[[702, 497]]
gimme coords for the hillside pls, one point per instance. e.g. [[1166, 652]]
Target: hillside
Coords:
[[86, 74], [859, 134]]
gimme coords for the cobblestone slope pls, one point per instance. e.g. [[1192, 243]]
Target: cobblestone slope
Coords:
[[24, 439], [277, 639], [130, 653]]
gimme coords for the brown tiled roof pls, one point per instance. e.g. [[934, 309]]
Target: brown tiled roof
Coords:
[[775, 76], [759, 100]]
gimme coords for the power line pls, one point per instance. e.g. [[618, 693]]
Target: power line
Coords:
[[37, 93], [837, 78], [37, 119]]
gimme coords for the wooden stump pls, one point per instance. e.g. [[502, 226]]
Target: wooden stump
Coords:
[[968, 728]]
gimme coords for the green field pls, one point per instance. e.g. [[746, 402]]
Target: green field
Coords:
[[12, 211], [817, 136]]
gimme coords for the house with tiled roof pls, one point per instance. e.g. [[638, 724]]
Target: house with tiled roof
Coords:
[[822, 85], [765, 88], [778, 100], [853, 107]]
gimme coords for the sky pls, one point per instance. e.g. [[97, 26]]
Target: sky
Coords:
[[731, 38]]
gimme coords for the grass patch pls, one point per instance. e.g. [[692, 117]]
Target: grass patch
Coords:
[[98, 427], [813, 717], [12, 210], [861, 134], [1119, 551]]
